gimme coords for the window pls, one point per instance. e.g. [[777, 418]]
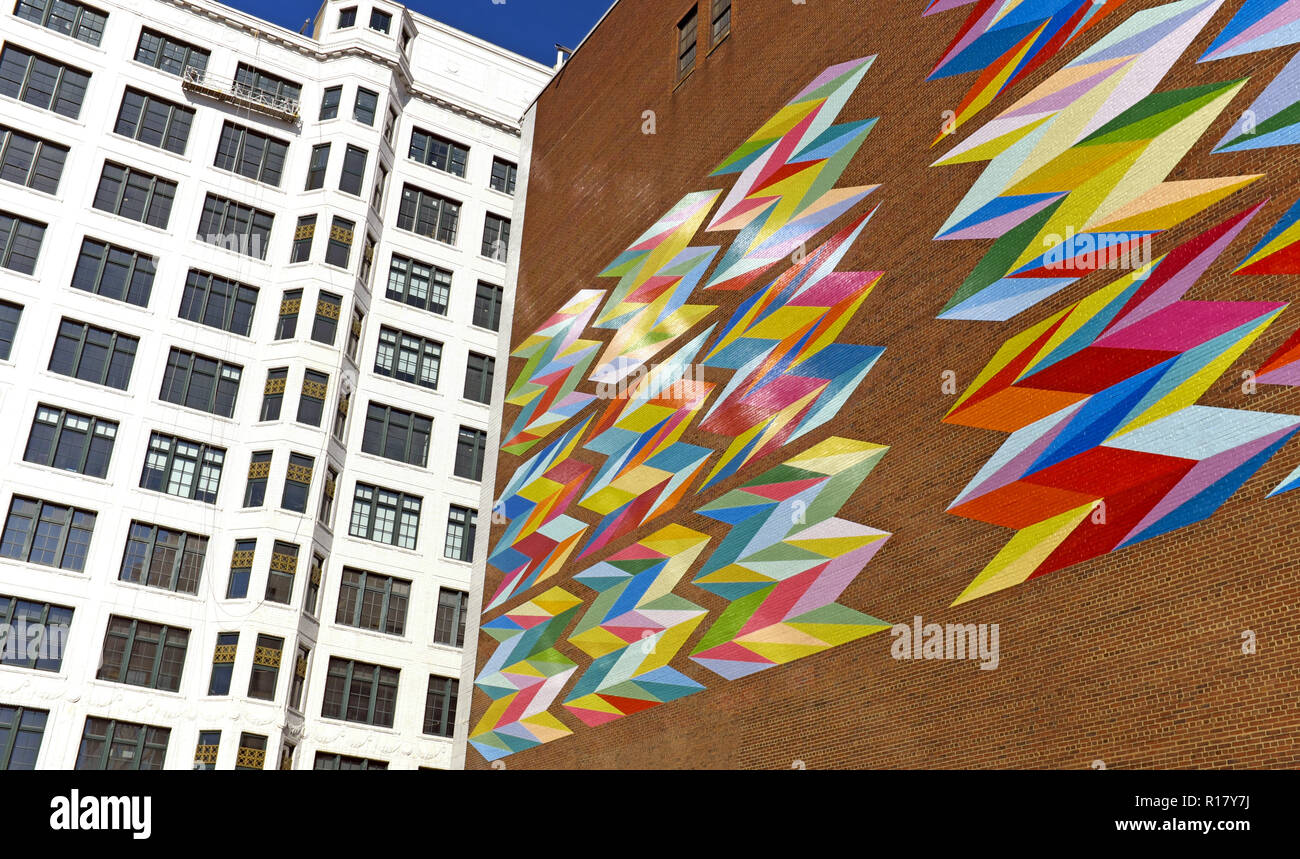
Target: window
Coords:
[[169, 54], [303, 236], [41, 81], [438, 152], [314, 582], [297, 483], [287, 324], [202, 383], [462, 528], [93, 354], [328, 307], [440, 706], [21, 730], [329, 103], [326, 513], [428, 214], [259, 474], [9, 315], [390, 124], [363, 110], [470, 450], [20, 242], [70, 441], [354, 332], [371, 601], [235, 227], [114, 272], [337, 252], [377, 195], [205, 753], [478, 378], [320, 159], [145, 654], [257, 79], [241, 569], [453, 607], [56, 620], [252, 752], [504, 175], [341, 415], [487, 306], [154, 121], [131, 193], [385, 516], [81, 22], [52, 535], [223, 663], [251, 154], [405, 41], [266, 667], [273, 394], [331, 761], [299, 678], [354, 170], [687, 34], [419, 284], [347, 17], [398, 435], [286, 756], [496, 237], [218, 303], [380, 21], [107, 744], [172, 465], [721, 20], [360, 692], [408, 357], [311, 403], [279, 580], [163, 558], [31, 161]]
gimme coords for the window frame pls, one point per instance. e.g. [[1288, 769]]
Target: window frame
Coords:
[[184, 552], [162, 645], [150, 738], [382, 415], [363, 519], [87, 443], [201, 474], [221, 382], [115, 339], [158, 217], [393, 608], [137, 283], [195, 308]]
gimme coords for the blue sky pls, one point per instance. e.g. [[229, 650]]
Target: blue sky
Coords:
[[528, 27]]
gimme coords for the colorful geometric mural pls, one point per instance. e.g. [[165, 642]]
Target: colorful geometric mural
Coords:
[[1108, 446], [1257, 26], [1273, 119], [1278, 252]]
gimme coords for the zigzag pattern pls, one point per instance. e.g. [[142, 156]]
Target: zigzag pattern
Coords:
[[1257, 26], [1273, 119]]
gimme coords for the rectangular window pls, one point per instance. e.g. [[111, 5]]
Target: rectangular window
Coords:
[[438, 152], [52, 535], [21, 731], [326, 513], [114, 272], [41, 81], [371, 601], [320, 159], [93, 354], [251, 154], [201, 383], [354, 170], [297, 483], [10, 313], [390, 124], [478, 378], [314, 580], [377, 195], [107, 744], [273, 394], [241, 569], [299, 678], [721, 20], [428, 214], [363, 110], [284, 567], [440, 706], [56, 620], [169, 54], [20, 242], [154, 121], [329, 103], [504, 176], [408, 357], [69, 17], [186, 469], [338, 252], [360, 692], [34, 162], [385, 516], [252, 752], [218, 303], [286, 326], [341, 416], [253, 78], [449, 627], [496, 237], [380, 20], [687, 35], [470, 450], [331, 761], [163, 558], [70, 441], [328, 307], [347, 17], [398, 435], [235, 227], [266, 667], [223, 663], [311, 403], [259, 474], [487, 306], [354, 331], [419, 284], [205, 752], [303, 236], [131, 193], [462, 529], [145, 654]]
